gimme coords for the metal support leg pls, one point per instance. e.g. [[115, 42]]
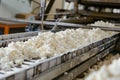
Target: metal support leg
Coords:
[[43, 2]]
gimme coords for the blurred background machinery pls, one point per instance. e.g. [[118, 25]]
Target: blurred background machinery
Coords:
[[67, 11]]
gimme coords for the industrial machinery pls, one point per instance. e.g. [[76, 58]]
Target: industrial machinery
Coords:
[[66, 66]]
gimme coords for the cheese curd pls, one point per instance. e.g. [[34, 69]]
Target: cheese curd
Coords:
[[49, 44], [114, 68], [104, 24]]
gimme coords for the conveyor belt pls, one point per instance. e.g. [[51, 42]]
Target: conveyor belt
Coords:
[[55, 66]]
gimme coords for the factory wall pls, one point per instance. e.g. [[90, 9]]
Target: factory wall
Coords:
[[4, 12], [34, 5], [8, 8]]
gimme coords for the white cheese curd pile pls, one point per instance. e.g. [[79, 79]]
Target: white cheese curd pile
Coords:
[[103, 24], [107, 72], [48, 44]]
